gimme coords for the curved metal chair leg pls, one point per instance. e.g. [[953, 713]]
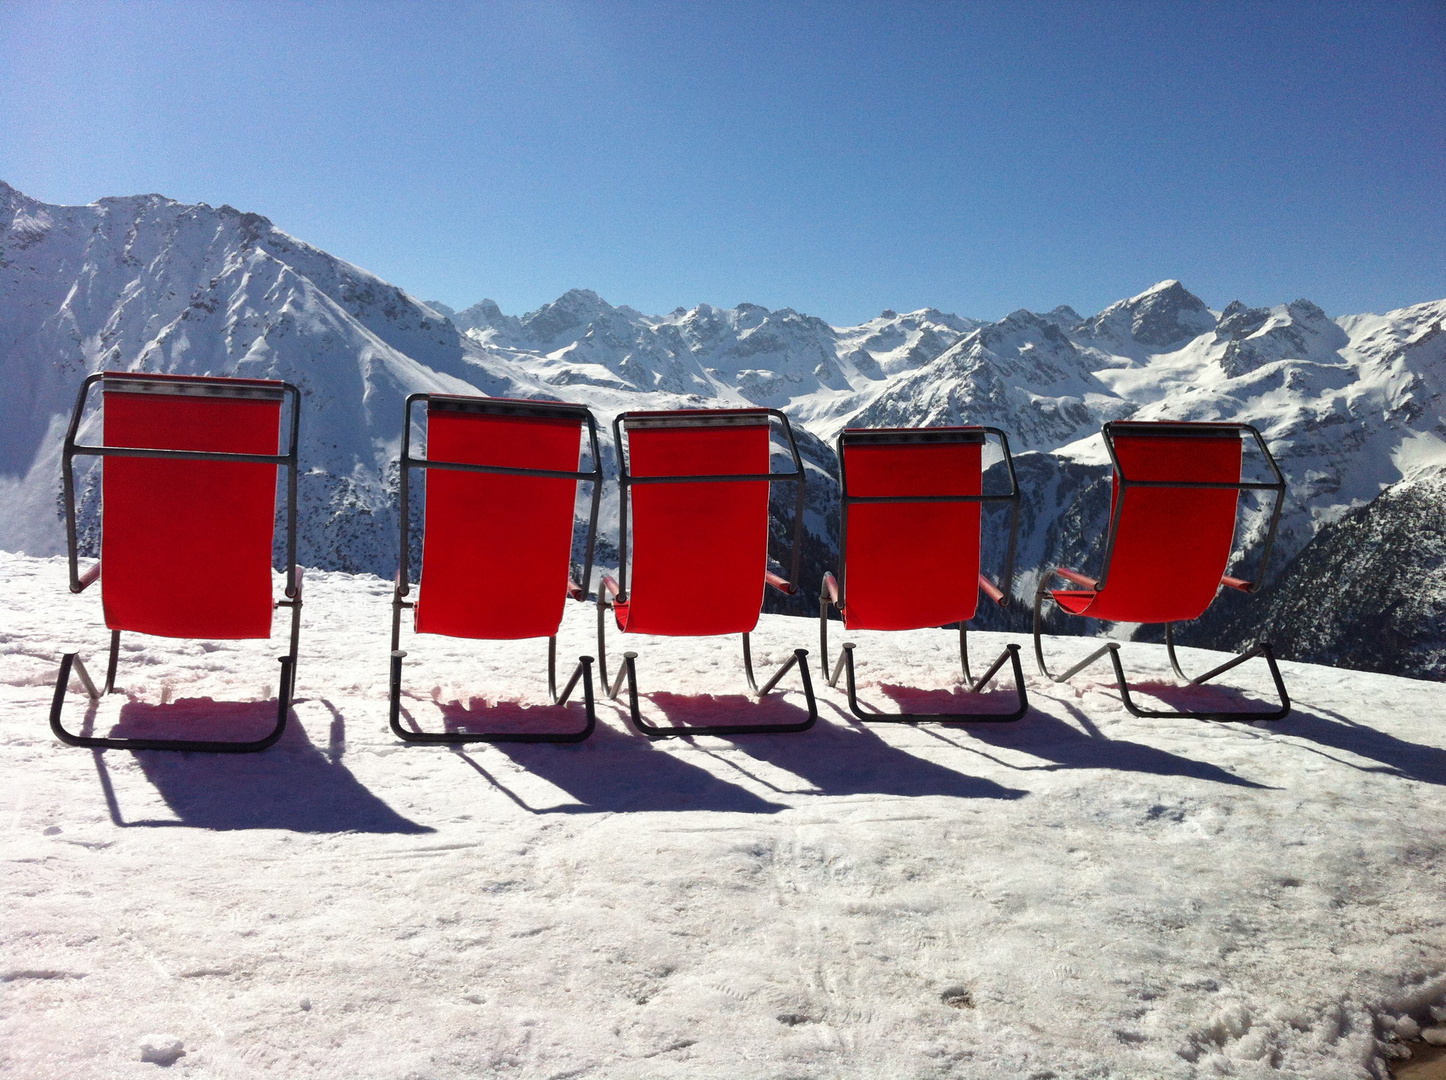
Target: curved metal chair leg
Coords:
[[1262, 649], [113, 661], [1039, 596], [1113, 649], [602, 642], [582, 672], [1010, 653], [213, 746], [799, 659], [748, 664], [823, 633]]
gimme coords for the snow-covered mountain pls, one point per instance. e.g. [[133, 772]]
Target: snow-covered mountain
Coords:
[[1351, 406], [772, 358]]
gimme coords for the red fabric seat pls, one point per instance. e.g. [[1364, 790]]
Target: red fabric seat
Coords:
[[496, 548], [1172, 545], [186, 546], [912, 565], [699, 549]]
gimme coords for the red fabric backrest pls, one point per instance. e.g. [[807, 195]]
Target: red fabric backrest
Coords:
[[496, 549], [699, 551], [911, 565], [1173, 544], [185, 546]]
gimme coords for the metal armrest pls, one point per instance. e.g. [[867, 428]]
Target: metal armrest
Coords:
[[1238, 583], [1078, 579], [293, 595], [830, 588], [992, 591], [611, 586], [779, 583], [575, 591], [87, 579]]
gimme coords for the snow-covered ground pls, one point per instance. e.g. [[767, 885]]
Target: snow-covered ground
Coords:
[[1078, 894]]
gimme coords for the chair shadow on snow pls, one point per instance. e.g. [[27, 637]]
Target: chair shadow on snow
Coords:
[[1205, 697], [852, 759], [910, 699], [507, 716], [294, 785], [1085, 747], [1045, 736], [615, 771], [701, 710], [1399, 757]]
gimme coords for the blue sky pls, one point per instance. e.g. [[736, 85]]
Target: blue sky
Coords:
[[835, 158]]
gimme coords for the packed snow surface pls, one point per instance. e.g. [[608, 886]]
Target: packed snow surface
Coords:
[[1078, 894]]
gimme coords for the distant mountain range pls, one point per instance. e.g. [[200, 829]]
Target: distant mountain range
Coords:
[[1351, 406]]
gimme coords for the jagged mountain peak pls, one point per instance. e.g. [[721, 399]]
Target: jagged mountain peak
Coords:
[[485, 315], [568, 319], [1164, 316], [12, 199], [1253, 337]]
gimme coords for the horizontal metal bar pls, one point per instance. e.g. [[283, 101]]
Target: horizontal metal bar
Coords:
[[903, 436], [502, 470], [928, 498], [1143, 429], [710, 479], [243, 390], [183, 455], [701, 418], [1239, 485], [552, 410]]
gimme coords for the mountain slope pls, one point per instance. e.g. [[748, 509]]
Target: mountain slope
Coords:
[[146, 283]]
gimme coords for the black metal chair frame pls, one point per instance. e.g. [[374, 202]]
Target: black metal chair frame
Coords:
[[1261, 649], [833, 591], [79, 582], [583, 671], [628, 669]]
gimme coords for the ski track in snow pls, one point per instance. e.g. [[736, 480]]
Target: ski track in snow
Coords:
[[1078, 894]]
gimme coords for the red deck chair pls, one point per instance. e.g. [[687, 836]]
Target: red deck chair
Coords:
[[1172, 526], [497, 536], [697, 483], [188, 509], [909, 548]]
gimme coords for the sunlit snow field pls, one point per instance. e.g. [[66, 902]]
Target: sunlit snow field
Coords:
[[1078, 894]]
